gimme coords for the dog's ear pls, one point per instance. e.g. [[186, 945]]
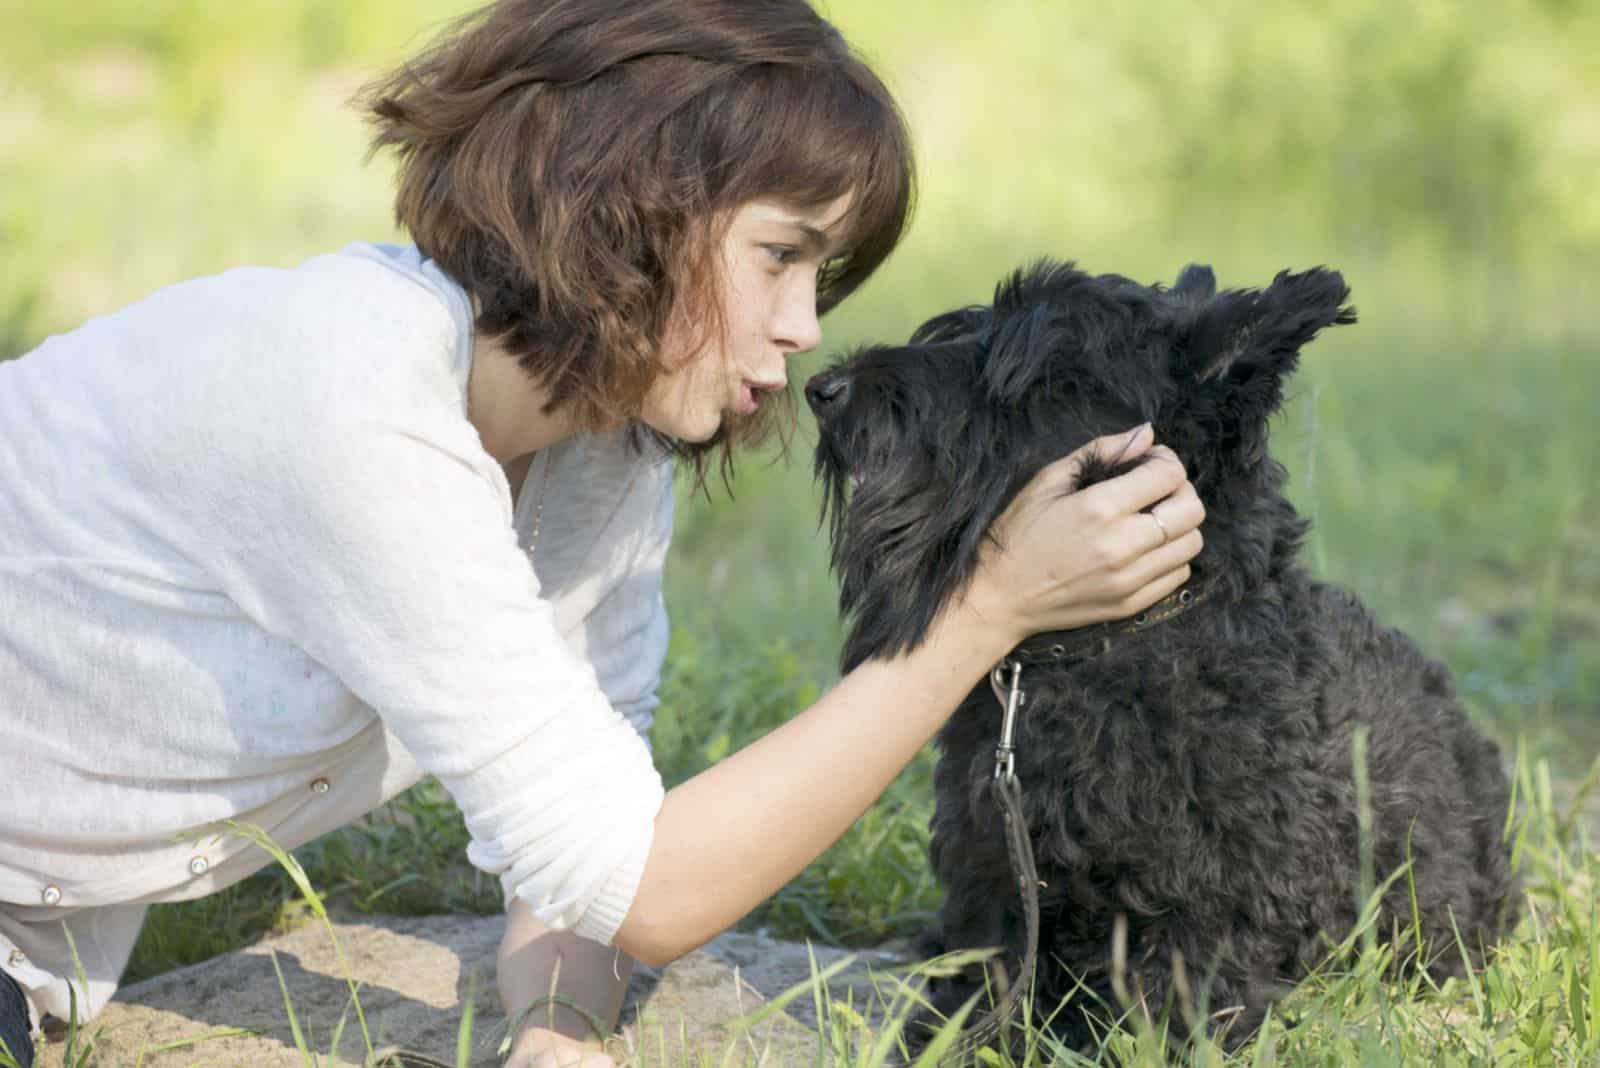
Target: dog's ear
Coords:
[[952, 324], [1196, 284], [1237, 347], [1021, 353], [1242, 333]]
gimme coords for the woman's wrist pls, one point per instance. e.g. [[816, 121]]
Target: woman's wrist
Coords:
[[982, 621]]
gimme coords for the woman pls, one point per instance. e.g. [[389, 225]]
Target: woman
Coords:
[[276, 543]]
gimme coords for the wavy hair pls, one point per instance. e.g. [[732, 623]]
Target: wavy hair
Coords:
[[568, 162]]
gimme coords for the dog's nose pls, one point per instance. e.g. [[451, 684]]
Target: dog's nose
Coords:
[[826, 392]]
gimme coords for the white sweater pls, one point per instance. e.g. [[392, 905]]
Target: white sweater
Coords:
[[255, 565]]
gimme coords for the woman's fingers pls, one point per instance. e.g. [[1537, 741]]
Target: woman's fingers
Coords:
[[1182, 512], [1122, 533], [1111, 449], [1152, 566], [572, 1057], [1073, 557], [1158, 477], [1143, 597], [1164, 522]]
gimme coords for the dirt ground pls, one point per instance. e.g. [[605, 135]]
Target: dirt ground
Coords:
[[415, 976]]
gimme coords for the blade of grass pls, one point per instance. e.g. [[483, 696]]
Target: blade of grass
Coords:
[[253, 833], [294, 1020]]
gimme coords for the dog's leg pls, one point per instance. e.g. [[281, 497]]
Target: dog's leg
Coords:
[[979, 912], [1200, 985]]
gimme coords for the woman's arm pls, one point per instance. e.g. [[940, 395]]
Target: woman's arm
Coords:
[[733, 835], [535, 963]]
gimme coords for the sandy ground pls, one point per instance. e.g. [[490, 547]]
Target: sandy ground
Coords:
[[415, 976]]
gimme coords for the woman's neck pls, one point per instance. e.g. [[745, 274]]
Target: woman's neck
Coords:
[[507, 407]]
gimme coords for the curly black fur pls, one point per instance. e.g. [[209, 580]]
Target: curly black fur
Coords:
[[1196, 778]]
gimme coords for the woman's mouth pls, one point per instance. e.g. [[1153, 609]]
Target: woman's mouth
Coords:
[[751, 395]]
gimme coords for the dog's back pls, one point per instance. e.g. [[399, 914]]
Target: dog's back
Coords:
[[1197, 782]]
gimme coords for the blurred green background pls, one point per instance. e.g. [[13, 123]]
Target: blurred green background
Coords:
[[1445, 156]]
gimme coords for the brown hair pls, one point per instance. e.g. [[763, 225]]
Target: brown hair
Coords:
[[567, 162]]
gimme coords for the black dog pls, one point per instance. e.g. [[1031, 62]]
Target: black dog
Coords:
[[1191, 774]]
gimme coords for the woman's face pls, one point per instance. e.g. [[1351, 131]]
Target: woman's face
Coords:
[[771, 253]]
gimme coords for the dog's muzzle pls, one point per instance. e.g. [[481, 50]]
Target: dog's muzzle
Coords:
[[827, 392]]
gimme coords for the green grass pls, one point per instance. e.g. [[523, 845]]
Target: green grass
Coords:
[[1536, 1002], [1445, 446]]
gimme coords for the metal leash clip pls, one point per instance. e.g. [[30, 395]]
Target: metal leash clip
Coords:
[[1019, 848], [1011, 697]]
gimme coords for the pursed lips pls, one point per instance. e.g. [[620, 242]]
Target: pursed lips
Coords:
[[752, 390]]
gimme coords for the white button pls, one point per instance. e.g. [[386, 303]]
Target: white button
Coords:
[[319, 785], [16, 959], [199, 866], [51, 895]]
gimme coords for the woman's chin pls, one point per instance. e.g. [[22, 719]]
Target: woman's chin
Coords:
[[692, 431]]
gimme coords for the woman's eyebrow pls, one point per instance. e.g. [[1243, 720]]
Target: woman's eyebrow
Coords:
[[817, 240]]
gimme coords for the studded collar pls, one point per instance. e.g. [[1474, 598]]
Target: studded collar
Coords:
[[1068, 646]]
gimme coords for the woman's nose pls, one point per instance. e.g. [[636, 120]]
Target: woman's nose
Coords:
[[798, 328]]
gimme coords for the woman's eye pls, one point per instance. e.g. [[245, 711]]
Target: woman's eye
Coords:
[[783, 254]]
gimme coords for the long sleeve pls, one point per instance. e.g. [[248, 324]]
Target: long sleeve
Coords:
[[256, 565], [391, 561]]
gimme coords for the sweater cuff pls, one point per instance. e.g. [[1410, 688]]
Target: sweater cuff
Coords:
[[611, 903]]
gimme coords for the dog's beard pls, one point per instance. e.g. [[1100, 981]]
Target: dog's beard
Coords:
[[906, 540]]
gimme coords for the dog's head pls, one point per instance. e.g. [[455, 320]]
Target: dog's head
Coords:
[[921, 446]]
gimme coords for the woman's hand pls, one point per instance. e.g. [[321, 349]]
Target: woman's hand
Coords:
[[539, 1048], [1066, 557]]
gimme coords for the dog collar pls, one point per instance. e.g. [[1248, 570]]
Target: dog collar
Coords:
[[1066, 646]]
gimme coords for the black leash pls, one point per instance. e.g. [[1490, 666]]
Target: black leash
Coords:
[[1007, 794]]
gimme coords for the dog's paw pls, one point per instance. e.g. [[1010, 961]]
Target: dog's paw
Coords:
[[929, 944]]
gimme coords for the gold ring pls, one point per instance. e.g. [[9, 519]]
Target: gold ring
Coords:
[[1166, 535]]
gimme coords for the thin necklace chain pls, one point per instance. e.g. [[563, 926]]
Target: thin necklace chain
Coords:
[[544, 484], [538, 505]]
